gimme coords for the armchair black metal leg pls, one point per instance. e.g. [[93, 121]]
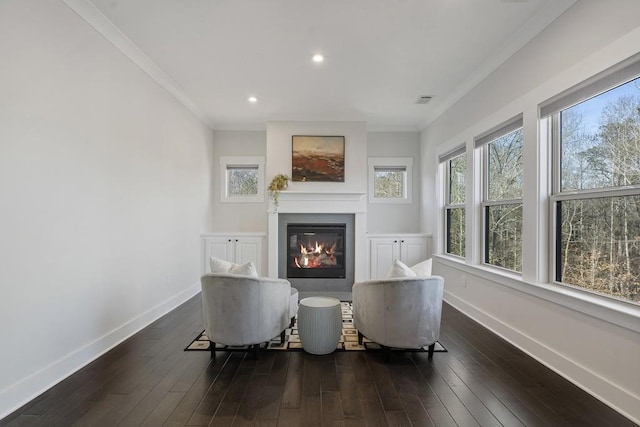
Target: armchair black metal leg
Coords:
[[386, 353], [431, 348], [360, 338], [212, 348], [293, 322], [256, 350], [282, 335]]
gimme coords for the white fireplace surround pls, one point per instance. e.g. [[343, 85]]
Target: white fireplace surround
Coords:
[[304, 202]]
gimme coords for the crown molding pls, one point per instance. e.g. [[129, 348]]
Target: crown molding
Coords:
[[99, 22]]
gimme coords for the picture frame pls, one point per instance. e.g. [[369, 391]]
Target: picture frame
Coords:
[[317, 158]]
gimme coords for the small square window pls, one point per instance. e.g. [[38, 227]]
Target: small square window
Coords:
[[390, 180], [242, 179]]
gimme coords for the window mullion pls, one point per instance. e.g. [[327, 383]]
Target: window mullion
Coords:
[[631, 190]]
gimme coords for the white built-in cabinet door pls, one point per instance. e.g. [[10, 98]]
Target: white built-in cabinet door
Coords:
[[219, 247], [236, 248], [384, 250], [413, 250], [248, 249]]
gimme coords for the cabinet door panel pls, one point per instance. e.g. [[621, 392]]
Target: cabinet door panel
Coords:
[[383, 252], [249, 249], [219, 247], [413, 250]]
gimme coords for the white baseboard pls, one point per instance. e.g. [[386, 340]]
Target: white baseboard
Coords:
[[599, 387], [17, 394]]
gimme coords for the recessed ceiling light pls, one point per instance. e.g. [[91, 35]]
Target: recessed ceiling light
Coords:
[[318, 58], [253, 99]]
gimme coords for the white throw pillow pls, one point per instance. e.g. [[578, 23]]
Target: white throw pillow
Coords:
[[246, 269], [219, 265], [399, 269], [423, 268]]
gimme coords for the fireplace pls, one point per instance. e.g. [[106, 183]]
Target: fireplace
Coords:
[[329, 266], [316, 250], [297, 208]]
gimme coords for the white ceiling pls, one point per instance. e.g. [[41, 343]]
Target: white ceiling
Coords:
[[380, 55]]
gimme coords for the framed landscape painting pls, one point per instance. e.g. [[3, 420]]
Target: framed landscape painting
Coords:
[[317, 158]]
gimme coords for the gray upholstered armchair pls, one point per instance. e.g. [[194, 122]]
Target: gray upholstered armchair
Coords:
[[402, 312], [245, 310]]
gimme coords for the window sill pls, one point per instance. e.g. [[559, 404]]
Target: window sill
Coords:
[[390, 200], [242, 199], [620, 313]]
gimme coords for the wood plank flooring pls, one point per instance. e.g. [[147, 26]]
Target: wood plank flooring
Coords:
[[149, 380]]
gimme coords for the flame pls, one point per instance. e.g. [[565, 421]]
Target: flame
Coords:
[[315, 255], [316, 249], [332, 250]]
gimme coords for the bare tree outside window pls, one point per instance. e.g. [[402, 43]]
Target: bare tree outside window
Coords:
[[456, 233], [390, 179], [598, 205], [504, 236], [242, 181], [503, 201], [505, 166], [457, 177], [455, 209], [389, 182]]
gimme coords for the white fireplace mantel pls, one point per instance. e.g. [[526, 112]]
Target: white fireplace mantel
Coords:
[[319, 202], [314, 203]]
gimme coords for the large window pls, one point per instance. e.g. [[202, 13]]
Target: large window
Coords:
[[390, 179], [502, 195], [455, 165], [242, 179], [596, 200]]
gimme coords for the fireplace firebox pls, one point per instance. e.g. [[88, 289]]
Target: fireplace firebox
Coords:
[[316, 250]]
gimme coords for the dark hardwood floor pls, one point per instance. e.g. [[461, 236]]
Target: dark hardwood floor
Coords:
[[150, 380]]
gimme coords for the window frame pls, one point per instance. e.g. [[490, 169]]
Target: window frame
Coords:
[[391, 162], [482, 143], [558, 196], [550, 112], [445, 161], [227, 162]]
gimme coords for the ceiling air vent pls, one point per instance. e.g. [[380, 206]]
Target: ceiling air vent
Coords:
[[423, 99]]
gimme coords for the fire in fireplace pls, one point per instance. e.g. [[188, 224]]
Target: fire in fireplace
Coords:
[[316, 250]]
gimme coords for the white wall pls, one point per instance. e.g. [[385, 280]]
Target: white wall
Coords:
[[429, 203], [396, 217], [279, 135], [237, 217], [105, 187], [592, 341]]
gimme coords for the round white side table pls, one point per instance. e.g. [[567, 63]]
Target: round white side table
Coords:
[[319, 324]]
